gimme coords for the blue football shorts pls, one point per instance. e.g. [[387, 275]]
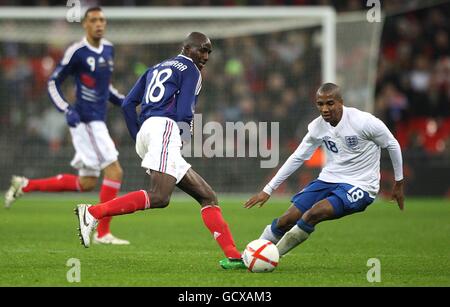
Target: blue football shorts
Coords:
[[345, 198]]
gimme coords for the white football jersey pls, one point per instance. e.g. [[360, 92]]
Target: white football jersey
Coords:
[[352, 148]]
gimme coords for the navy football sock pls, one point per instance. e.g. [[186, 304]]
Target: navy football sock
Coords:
[[275, 230], [308, 228]]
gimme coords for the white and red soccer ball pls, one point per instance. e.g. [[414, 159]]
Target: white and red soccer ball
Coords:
[[261, 256]]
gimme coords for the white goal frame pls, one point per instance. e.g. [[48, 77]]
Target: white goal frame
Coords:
[[326, 15]]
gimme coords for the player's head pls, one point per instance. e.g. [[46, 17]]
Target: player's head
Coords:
[[329, 102], [197, 46], [94, 23]]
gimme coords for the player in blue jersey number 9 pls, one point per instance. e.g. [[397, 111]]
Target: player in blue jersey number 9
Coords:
[[90, 62]]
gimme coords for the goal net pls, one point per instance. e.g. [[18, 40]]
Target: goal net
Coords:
[[265, 66]]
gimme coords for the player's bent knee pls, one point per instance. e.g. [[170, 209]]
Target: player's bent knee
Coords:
[[114, 171], [158, 201], [119, 172], [88, 185]]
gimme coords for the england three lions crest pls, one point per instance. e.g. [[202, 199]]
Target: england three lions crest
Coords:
[[352, 141]]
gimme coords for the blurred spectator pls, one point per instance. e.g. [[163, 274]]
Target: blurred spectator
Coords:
[[394, 104], [265, 77], [413, 76]]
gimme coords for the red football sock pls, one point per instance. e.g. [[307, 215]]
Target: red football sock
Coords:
[[59, 183], [108, 191], [129, 203], [212, 217]]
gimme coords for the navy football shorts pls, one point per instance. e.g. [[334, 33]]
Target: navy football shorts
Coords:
[[345, 198]]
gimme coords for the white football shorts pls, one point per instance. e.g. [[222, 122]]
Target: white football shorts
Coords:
[[94, 148], [158, 143]]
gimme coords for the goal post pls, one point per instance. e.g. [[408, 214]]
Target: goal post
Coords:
[[270, 18], [266, 65]]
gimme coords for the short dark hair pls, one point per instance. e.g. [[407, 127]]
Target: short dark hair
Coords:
[[92, 9], [330, 87]]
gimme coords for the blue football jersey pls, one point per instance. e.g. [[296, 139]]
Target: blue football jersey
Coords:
[[92, 69], [168, 89]]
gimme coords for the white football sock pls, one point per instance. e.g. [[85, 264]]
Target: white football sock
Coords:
[[291, 239], [269, 235]]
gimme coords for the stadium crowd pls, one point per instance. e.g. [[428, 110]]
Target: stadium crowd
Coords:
[[261, 78], [340, 5], [413, 80]]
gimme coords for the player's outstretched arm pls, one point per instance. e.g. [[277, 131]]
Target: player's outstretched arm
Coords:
[[259, 198], [72, 117], [64, 69], [397, 194], [115, 97], [383, 137], [303, 152], [129, 104]]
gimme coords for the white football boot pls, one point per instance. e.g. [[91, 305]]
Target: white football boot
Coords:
[[15, 190], [109, 239], [87, 224]]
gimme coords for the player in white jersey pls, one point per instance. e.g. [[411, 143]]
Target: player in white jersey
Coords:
[[348, 183]]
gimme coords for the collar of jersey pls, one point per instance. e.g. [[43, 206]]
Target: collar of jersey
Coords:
[[92, 48], [186, 57], [344, 111]]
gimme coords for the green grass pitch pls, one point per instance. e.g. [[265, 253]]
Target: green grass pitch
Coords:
[[171, 246]]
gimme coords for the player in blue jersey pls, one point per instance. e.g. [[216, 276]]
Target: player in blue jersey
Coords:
[[349, 182], [90, 62], [167, 94]]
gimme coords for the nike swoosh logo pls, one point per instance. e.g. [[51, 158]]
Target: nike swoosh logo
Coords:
[[84, 219]]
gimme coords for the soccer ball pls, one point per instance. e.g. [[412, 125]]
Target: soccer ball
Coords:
[[261, 256]]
